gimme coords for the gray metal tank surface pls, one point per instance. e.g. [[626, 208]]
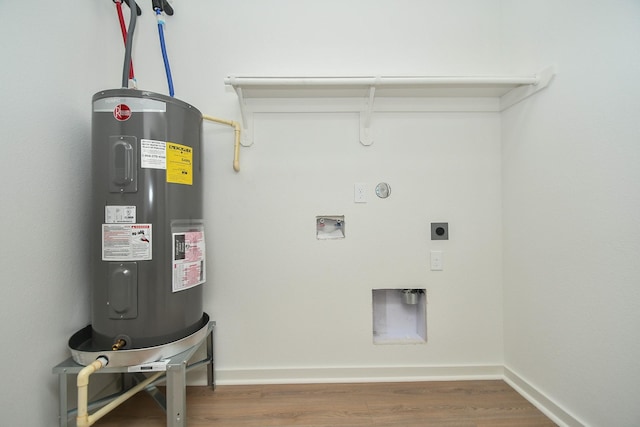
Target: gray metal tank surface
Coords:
[[147, 195]]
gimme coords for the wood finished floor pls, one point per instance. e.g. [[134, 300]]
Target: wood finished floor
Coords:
[[413, 404]]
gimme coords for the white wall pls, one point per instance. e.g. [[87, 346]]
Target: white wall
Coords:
[[282, 299], [49, 72], [54, 58], [570, 191]]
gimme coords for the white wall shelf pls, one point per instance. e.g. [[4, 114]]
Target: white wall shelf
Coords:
[[366, 95]]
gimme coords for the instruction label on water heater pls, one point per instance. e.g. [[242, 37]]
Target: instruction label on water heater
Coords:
[[126, 242], [153, 154], [120, 214], [188, 260]]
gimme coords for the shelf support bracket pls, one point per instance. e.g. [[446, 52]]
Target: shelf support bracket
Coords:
[[366, 138], [246, 139]]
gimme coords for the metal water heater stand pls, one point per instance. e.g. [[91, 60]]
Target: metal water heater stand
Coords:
[[176, 368]]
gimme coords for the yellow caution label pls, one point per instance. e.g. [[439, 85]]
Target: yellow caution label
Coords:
[[179, 164]]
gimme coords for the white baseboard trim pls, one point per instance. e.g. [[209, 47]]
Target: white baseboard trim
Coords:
[[358, 374], [538, 399]]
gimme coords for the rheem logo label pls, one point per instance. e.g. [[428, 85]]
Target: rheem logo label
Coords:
[[122, 112]]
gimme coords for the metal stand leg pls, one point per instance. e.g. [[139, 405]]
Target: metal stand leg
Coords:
[[62, 399], [176, 377], [211, 379], [177, 395]]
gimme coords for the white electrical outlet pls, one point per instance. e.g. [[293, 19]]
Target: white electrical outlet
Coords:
[[360, 192], [437, 263]]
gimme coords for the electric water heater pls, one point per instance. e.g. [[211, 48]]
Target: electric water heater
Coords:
[[148, 250]]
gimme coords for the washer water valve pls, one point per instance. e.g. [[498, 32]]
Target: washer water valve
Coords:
[[330, 227]]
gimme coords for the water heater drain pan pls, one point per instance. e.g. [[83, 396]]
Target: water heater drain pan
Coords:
[[84, 353]]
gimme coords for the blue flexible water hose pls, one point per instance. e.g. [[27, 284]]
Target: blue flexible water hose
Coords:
[[163, 47]]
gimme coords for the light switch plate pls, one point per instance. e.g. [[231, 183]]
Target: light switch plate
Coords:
[[360, 192]]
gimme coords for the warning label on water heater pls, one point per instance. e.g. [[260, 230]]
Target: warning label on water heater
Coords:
[[188, 260], [179, 164], [126, 242]]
